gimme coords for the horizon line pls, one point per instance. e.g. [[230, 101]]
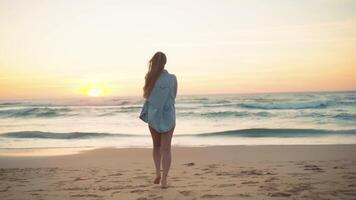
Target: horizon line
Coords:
[[203, 94]]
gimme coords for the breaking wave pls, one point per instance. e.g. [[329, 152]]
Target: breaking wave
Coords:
[[255, 132], [285, 105]]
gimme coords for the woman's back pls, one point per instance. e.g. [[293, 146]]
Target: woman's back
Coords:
[[164, 91], [159, 109]]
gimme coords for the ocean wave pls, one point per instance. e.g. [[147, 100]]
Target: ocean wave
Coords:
[[192, 100], [204, 101], [220, 104], [345, 116], [117, 110], [71, 102], [224, 114], [272, 103], [34, 112], [346, 102], [314, 115], [264, 132], [254, 132], [5, 104], [285, 105], [55, 111], [121, 102], [220, 114], [328, 115], [53, 135]]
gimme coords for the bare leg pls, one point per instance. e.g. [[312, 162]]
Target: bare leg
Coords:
[[166, 139], [156, 152]]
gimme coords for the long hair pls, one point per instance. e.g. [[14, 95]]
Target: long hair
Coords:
[[155, 67]]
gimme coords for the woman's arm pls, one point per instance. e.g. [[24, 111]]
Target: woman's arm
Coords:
[[175, 86]]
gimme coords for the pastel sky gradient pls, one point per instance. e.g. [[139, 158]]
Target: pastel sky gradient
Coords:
[[55, 48]]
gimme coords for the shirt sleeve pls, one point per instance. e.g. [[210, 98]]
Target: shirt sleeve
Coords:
[[175, 86], [144, 112]]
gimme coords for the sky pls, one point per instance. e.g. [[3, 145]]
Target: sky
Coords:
[[60, 49]]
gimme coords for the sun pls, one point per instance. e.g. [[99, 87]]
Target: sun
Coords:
[[94, 92], [94, 89]]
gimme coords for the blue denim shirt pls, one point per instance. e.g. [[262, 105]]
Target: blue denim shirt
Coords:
[[159, 110]]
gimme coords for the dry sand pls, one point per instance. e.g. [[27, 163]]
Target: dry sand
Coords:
[[225, 172]]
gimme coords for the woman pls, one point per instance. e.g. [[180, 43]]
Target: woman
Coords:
[[158, 111]]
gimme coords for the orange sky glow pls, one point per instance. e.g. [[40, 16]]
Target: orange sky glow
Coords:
[[60, 49]]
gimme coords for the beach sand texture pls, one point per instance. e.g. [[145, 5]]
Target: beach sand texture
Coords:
[[220, 172]]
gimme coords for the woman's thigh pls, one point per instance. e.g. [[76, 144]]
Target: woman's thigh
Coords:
[[166, 139], [156, 137]]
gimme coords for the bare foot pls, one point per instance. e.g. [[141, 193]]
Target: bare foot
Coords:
[[157, 180], [164, 183]]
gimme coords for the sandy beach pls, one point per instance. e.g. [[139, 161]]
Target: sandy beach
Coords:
[[220, 172]]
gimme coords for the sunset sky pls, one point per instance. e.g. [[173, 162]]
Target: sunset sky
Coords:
[[67, 48]]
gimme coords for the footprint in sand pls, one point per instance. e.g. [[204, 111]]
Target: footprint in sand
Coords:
[[339, 167], [213, 166], [243, 195], [270, 173], [222, 173], [296, 189], [115, 192], [210, 196], [314, 168], [138, 191], [302, 175], [270, 187], [189, 164], [186, 193], [300, 163], [249, 182], [5, 189], [116, 174], [75, 188], [155, 197], [272, 179], [142, 198], [103, 188], [85, 195], [251, 172], [79, 179], [141, 177], [351, 193], [348, 177], [279, 194], [226, 185], [38, 190], [175, 178]]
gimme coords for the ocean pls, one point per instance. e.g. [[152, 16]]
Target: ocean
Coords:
[[204, 120]]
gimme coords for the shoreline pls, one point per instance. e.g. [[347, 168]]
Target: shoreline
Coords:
[[67, 151]]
